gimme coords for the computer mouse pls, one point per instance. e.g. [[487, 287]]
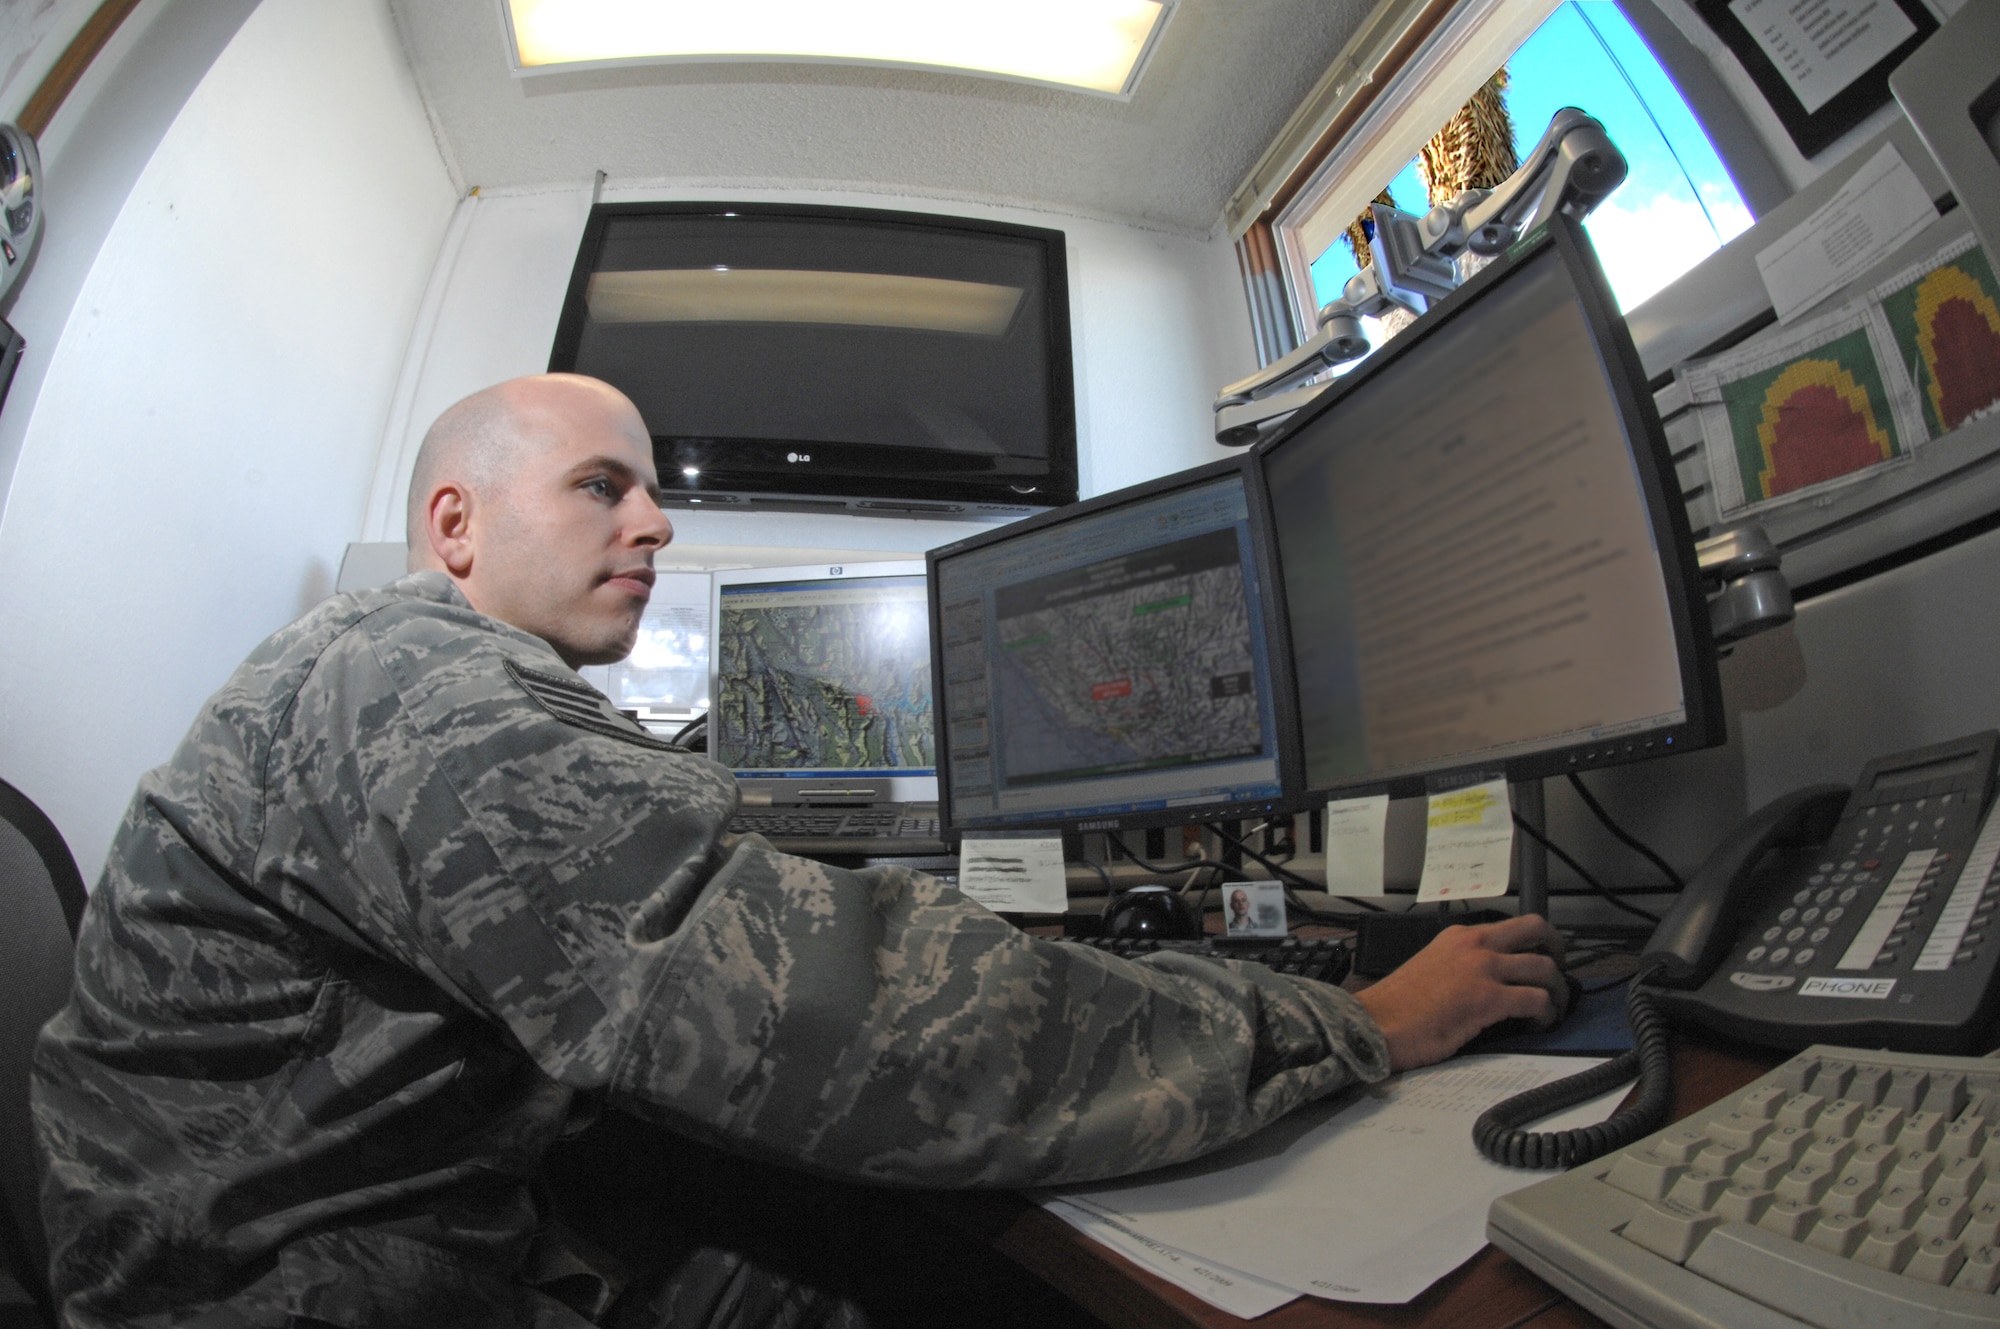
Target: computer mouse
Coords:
[[1150, 911], [1522, 1026]]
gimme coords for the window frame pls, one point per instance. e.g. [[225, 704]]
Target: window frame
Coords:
[[1370, 98], [1404, 109]]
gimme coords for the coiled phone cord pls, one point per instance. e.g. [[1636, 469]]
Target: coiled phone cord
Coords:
[[1498, 1133]]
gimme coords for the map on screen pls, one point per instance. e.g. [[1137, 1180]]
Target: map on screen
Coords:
[[826, 677], [1133, 663], [1111, 661]]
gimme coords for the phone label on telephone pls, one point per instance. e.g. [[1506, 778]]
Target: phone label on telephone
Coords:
[[1871, 989]]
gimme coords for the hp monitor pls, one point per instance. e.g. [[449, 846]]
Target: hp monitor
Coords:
[[820, 680], [1111, 664], [1484, 555]]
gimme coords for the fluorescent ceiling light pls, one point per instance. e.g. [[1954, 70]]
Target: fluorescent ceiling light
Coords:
[[1091, 44], [776, 295]]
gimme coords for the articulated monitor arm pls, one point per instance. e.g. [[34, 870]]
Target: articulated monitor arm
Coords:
[[1572, 169], [1747, 591]]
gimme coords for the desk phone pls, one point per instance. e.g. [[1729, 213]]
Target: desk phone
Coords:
[[1879, 932], [1861, 916]]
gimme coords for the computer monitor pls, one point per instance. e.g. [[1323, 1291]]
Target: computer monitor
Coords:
[[1111, 664], [1484, 556], [820, 682]]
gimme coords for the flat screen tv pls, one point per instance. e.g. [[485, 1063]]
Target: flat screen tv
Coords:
[[832, 358]]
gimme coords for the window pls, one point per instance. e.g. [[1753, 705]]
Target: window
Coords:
[[1677, 206]]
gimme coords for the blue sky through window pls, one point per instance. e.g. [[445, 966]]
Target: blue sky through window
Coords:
[[1676, 207]]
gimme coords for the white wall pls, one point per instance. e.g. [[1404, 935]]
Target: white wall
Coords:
[[1158, 322], [199, 451], [92, 155]]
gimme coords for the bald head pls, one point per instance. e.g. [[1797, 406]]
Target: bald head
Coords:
[[480, 441], [539, 499]]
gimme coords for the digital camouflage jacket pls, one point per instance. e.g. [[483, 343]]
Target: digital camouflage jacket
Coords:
[[411, 897]]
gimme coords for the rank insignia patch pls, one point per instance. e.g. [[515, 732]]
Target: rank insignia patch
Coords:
[[577, 703]]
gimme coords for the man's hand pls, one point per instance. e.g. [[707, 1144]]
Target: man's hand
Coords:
[[1466, 979]]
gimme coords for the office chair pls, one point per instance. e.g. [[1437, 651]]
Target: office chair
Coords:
[[41, 897]]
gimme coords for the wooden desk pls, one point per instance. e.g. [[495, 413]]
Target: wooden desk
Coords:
[[1490, 1291]]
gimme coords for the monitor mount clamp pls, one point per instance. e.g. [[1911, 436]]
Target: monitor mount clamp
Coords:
[[1572, 169]]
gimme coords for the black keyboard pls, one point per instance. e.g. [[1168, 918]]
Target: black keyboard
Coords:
[[866, 823], [1322, 958], [887, 829]]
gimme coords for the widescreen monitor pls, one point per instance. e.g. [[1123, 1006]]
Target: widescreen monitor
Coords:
[[1111, 664], [820, 681], [832, 358], [1485, 560]]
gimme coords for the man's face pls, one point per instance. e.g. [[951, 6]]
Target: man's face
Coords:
[[563, 545]]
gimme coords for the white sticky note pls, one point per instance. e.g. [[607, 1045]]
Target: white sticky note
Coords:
[[1014, 875], [1468, 843], [1353, 836], [1879, 208], [1821, 46]]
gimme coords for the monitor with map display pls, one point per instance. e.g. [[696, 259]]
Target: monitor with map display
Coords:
[[1485, 556], [823, 673], [1109, 664]]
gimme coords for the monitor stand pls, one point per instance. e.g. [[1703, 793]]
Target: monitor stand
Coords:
[[1531, 857]]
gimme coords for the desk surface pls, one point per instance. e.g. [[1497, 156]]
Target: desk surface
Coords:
[[1490, 1291]]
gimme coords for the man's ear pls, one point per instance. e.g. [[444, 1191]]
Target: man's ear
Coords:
[[448, 524]]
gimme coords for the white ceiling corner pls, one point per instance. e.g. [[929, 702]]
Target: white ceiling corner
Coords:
[[1221, 83]]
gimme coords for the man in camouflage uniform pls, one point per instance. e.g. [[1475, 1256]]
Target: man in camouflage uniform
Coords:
[[412, 900]]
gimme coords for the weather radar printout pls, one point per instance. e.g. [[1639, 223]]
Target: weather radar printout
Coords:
[[825, 677], [1109, 664]]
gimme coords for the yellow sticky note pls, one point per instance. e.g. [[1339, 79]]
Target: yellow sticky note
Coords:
[[1468, 844]]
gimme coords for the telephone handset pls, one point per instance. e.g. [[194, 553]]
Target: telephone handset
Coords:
[[1695, 934], [1863, 917]]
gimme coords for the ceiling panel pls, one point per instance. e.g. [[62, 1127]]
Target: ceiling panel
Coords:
[[1219, 86]]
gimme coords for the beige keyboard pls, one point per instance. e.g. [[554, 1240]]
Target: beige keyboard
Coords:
[[1846, 1189]]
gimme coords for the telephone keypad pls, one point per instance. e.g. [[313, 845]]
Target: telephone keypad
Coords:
[[1807, 926]]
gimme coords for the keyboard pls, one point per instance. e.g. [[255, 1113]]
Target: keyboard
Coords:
[[1323, 958], [1846, 1189], [881, 829]]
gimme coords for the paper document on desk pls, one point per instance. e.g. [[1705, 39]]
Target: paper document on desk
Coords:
[[1371, 1196], [1231, 1290]]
